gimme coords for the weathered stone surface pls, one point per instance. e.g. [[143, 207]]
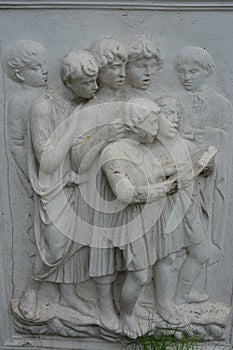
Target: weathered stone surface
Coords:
[[116, 173]]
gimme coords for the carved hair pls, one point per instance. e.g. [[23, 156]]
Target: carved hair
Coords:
[[195, 55], [20, 54], [135, 104], [76, 64], [143, 46], [107, 49]]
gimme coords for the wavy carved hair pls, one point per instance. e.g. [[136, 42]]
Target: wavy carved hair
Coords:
[[76, 64], [107, 49]]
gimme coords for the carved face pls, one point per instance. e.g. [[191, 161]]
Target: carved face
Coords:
[[85, 87], [113, 75], [36, 73], [140, 73], [192, 76], [169, 119]]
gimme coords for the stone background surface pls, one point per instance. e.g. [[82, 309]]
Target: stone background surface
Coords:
[[62, 30]]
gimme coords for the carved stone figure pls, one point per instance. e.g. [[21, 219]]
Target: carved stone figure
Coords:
[[51, 136], [184, 227], [111, 55], [208, 119], [123, 162], [143, 65]]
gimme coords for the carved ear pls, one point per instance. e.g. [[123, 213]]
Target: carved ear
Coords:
[[19, 75]]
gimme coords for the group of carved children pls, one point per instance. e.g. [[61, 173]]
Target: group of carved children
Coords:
[[142, 132]]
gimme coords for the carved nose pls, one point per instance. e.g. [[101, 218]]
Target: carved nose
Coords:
[[187, 76], [148, 71], [45, 72], [122, 73]]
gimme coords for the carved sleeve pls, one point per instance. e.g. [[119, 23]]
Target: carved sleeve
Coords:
[[126, 190]]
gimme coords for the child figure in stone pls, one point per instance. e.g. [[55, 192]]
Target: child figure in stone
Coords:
[[182, 226], [52, 134], [207, 120], [124, 164], [24, 62]]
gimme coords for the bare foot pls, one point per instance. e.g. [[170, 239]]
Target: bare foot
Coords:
[[107, 315], [171, 314], [28, 305], [130, 326], [193, 297], [142, 312], [59, 328], [70, 299]]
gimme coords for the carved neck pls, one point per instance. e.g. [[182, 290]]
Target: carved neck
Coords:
[[108, 94], [200, 89]]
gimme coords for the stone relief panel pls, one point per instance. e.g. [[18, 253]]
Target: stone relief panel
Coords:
[[125, 185]]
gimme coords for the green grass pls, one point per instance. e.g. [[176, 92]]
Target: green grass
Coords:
[[166, 341], [166, 338]]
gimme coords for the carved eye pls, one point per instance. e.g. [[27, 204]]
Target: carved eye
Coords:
[[115, 67], [36, 67]]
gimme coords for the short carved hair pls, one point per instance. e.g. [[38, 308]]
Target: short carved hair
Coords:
[[197, 55], [143, 46], [143, 107], [107, 49], [20, 54], [76, 64]]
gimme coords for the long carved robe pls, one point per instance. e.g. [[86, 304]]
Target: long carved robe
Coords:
[[58, 257]]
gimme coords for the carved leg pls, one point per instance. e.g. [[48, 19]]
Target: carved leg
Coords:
[[29, 301], [131, 290], [163, 295], [196, 258], [107, 311]]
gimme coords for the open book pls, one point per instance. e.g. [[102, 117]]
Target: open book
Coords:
[[200, 161]]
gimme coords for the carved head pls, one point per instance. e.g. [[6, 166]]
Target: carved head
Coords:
[[111, 55], [24, 62], [79, 71], [170, 113], [193, 65], [141, 117], [144, 61]]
